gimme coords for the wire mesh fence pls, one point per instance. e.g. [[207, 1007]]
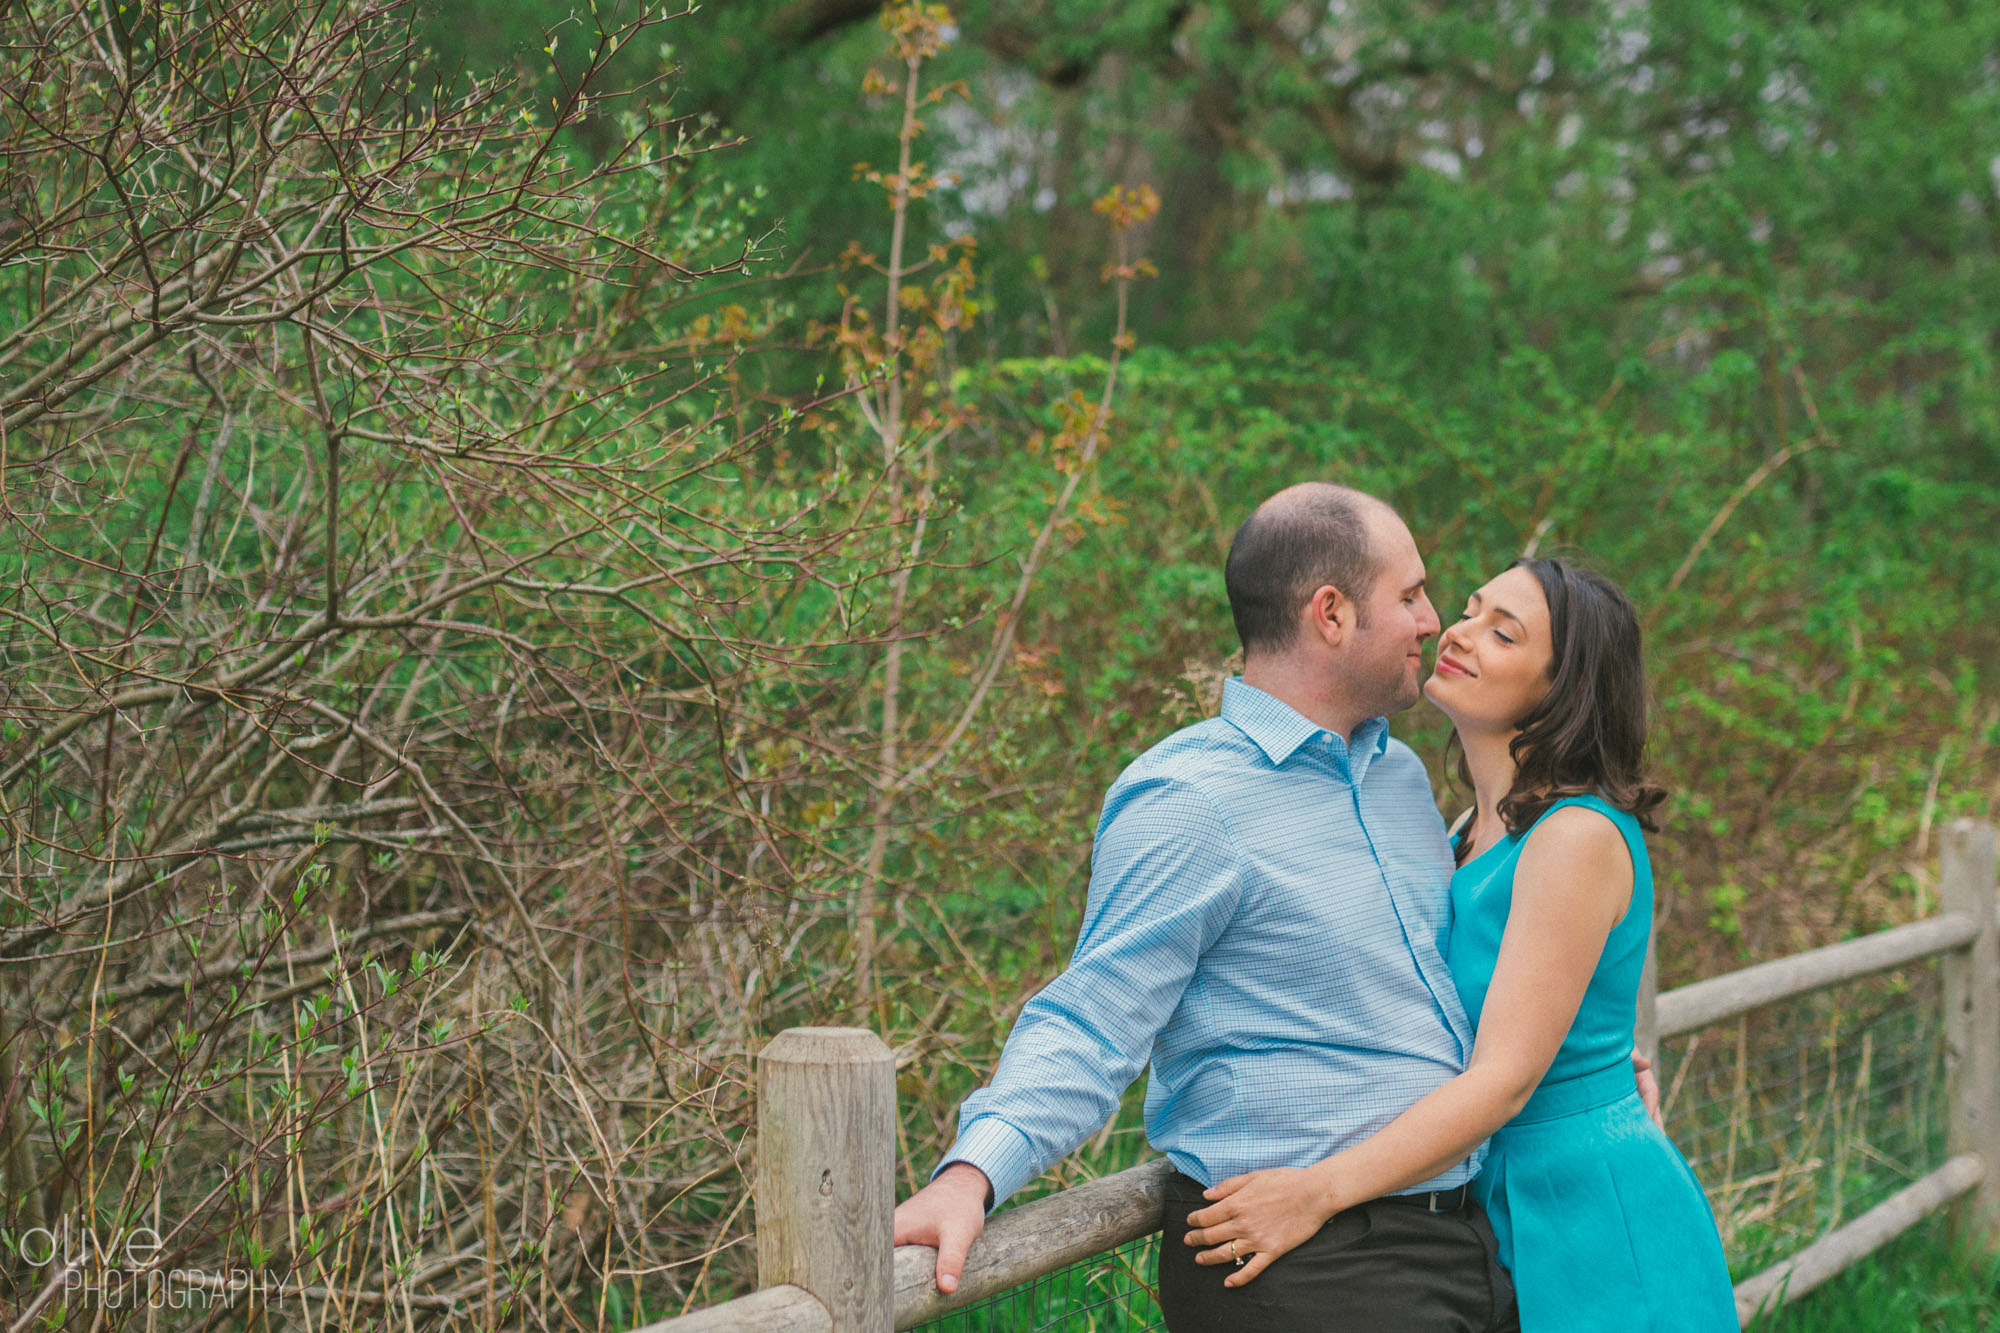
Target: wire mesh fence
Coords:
[[1803, 1114], [1107, 1293]]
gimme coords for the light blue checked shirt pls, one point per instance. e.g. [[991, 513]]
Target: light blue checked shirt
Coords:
[[1266, 924]]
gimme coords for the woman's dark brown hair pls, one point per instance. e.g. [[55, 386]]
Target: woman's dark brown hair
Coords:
[[1588, 734]]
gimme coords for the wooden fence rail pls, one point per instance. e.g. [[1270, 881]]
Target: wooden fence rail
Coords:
[[825, 1162]]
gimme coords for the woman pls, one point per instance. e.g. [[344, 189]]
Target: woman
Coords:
[[1598, 1216]]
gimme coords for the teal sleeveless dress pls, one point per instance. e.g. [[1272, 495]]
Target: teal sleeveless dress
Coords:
[[1599, 1217]]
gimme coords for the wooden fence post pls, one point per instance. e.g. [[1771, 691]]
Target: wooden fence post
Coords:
[[1646, 1023], [1967, 884], [826, 1186]]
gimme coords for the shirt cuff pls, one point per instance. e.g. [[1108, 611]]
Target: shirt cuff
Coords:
[[998, 1149]]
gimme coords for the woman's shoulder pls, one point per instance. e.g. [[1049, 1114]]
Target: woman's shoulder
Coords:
[[1588, 827], [1578, 811], [1587, 841]]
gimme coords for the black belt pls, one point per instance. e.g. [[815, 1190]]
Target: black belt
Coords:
[[1432, 1201]]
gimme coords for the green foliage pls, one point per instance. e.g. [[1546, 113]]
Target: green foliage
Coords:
[[1702, 290]]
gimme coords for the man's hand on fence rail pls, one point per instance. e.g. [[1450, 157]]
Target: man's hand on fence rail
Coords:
[[948, 1214]]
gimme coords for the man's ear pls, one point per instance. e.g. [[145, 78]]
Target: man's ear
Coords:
[[1329, 614]]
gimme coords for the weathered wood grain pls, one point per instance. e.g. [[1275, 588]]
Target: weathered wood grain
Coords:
[[826, 1184], [1972, 1023], [784, 1309], [1687, 1008], [1025, 1242], [1646, 1021]]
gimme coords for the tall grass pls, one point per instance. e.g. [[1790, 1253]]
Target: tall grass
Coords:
[[1922, 1281]]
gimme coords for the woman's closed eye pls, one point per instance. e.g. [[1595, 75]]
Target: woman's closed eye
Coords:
[[1501, 635]]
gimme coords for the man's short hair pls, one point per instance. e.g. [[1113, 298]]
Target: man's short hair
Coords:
[[1303, 538]]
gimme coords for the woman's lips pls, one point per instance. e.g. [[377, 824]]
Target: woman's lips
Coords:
[[1447, 667]]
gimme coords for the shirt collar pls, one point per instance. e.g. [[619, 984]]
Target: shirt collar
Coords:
[[1280, 729]]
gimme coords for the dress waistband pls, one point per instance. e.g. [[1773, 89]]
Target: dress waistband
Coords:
[[1552, 1101]]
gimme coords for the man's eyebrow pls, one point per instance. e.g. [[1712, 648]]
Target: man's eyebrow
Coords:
[[1418, 586]]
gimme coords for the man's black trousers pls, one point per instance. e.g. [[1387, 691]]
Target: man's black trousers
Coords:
[[1380, 1267]]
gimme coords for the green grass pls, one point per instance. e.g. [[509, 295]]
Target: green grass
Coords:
[[1920, 1282]]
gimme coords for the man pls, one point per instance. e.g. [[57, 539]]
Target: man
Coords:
[[1266, 925]]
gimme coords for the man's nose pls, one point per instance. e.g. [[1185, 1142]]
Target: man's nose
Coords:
[[1428, 623]]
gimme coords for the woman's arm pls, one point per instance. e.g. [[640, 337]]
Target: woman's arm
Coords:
[[1571, 886]]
